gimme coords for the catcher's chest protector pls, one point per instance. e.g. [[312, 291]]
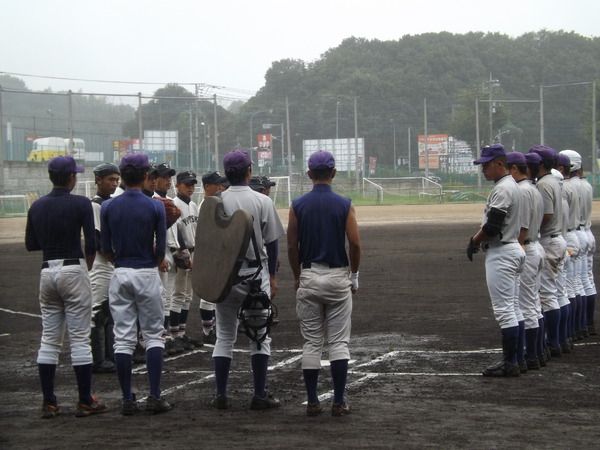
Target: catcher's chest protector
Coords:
[[221, 245]]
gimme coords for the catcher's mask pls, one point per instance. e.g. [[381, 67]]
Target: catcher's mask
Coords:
[[257, 312]]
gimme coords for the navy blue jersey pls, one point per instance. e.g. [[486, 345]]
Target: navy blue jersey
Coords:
[[322, 216], [131, 223], [54, 224]]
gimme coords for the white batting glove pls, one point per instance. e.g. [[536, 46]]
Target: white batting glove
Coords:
[[354, 280]]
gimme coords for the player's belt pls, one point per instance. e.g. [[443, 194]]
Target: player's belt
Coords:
[[308, 265], [253, 263], [65, 262]]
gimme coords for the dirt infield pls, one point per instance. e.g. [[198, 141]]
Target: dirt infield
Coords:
[[422, 331]]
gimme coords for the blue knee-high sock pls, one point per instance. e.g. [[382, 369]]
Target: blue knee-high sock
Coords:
[[572, 315], [578, 316], [584, 303], [174, 319], [339, 374], [552, 326], [154, 363], [222, 366], [83, 374], [510, 342], [563, 325], [521, 342], [311, 381], [183, 317], [541, 344], [167, 321], [591, 309], [123, 363], [47, 378], [531, 342], [260, 363]]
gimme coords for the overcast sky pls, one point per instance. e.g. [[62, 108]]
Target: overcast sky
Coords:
[[232, 43]]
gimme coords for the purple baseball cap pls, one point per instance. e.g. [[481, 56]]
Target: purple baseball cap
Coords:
[[135, 160], [321, 160], [236, 160], [564, 160], [517, 158], [547, 153], [489, 153], [64, 164], [533, 158]]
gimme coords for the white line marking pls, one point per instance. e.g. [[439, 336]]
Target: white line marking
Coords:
[[10, 311]]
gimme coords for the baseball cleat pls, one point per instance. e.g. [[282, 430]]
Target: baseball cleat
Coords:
[[89, 409], [50, 411], [338, 410], [502, 369], [221, 402], [533, 363], [157, 405], [313, 409], [129, 407], [266, 402]]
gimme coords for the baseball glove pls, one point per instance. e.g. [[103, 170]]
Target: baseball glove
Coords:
[[172, 211], [182, 259], [471, 249]]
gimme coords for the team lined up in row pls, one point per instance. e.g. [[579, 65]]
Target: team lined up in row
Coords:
[[132, 240], [536, 233]]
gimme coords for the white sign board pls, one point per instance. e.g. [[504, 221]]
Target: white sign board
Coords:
[[161, 141], [345, 151]]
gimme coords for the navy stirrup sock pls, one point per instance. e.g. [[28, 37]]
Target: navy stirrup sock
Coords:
[[47, 378], [339, 373], [154, 363], [260, 363], [311, 380], [222, 366], [124, 363], [84, 382]]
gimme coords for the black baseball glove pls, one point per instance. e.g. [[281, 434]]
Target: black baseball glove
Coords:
[[471, 249]]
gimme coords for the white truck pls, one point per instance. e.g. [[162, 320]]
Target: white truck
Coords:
[[47, 148]]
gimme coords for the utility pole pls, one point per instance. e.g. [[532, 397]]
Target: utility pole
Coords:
[[140, 129], [216, 134], [356, 141], [289, 139], [1, 146], [426, 138]]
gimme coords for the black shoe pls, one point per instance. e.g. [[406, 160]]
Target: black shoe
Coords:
[[533, 363], [195, 342], [592, 330], [129, 407], [555, 351], [522, 366], [548, 353], [157, 405], [585, 332], [579, 335], [220, 402], [502, 369], [266, 402], [542, 359], [105, 366], [565, 348], [210, 338]]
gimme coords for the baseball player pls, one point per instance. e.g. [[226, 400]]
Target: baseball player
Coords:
[[498, 237], [268, 184], [134, 237], [324, 278], [212, 182], [167, 268], [102, 338], [267, 229], [531, 218], [572, 276], [54, 226], [561, 279], [585, 295], [554, 246], [186, 235]]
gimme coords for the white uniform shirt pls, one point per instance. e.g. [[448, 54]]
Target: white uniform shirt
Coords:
[[267, 225], [187, 222], [549, 187], [532, 210], [505, 196], [572, 194]]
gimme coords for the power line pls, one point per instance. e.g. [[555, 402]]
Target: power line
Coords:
[[203, 85]]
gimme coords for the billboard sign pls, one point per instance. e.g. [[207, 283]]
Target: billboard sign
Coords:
[[348, 152], [437, 146], [265, 141]]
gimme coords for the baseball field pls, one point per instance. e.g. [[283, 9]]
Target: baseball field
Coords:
[[423, 329]]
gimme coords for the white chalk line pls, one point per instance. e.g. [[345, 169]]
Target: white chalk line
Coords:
[[20, 313]]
